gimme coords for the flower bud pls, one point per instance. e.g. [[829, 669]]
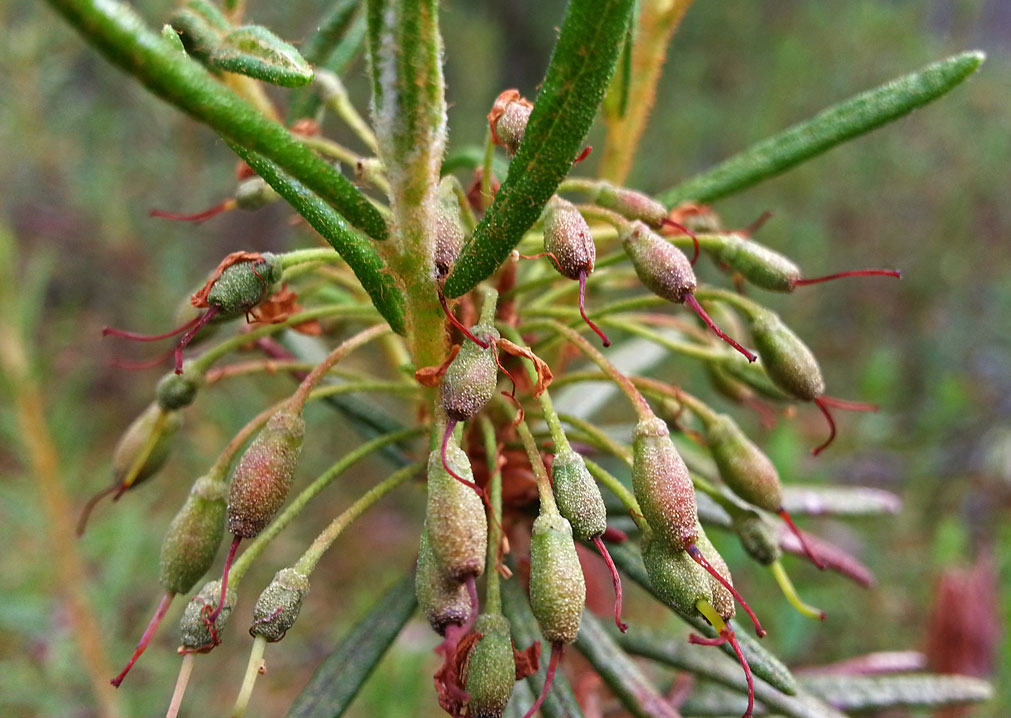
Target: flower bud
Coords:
[[177, 391], [445, 602], [197, 633], [277, 607], [567, 236], [136, 440], [457, 525], [758, 537], [662, 268], [491, 668], [253, 193], [758, 264], [470, 379], [449, 232], [577, 495], [508, 119], [787, 359], [193, 537], [264, 474], [744, 468], [243, 285], [557, 588], [676, 578], [662, 484], [631, 204]]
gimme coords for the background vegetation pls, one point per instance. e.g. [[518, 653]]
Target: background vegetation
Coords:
[[86, 153]]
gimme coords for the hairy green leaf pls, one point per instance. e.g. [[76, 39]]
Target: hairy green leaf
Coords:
[[256, 52], [867, 693]]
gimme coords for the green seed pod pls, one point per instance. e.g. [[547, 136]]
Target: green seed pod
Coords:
[[631, 204], [449, 231], [758, 264], [193, 537], [677, 579], [253, 193], [491, 668], [135, 440], [578, 497], [662, 268], [445, 602], [508, 120], [195, 633], [557, 588], [662, 484], [457, 525], [744, 468], [567, 236], [470, 379], [244, 285], [177, 391], [264, 474], [787, 359], [277, 607], [722, 600], [758, 537]]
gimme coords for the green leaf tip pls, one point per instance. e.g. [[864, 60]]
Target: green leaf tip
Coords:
[[833, 126], [255, 51]]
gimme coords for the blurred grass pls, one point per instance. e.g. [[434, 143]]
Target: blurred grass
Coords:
[[86, 154]]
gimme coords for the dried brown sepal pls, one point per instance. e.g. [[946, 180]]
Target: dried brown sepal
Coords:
[[505, 98], [544, 375], [430, 376], [199, 299], [281, 305], [528, 661]]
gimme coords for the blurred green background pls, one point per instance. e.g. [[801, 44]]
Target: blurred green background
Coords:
[[85, 153]]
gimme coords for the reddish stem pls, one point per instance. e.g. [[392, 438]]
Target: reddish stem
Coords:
[[130, 365], [582, 155], [614, 535], [856, 273], [458, 324], [815, 559], [152, 626], [684, 230], [696, 554], [474, 606], [213, 616], [511, 395], [450, 425], [82, 522], [692, 302], [582, 310], [110, 331], [196, 217], [556, 654], [728, 636], [616, 579], [188, 336]]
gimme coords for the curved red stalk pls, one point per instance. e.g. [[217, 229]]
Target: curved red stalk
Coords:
[[815, 559], [213, 615], [582, 310], [130, 365], [556, 654], [543, 254], [511, 395], [696, 554], [188, 336], [856, 273], [458, 324], [82, 522], [159, 614], [728, 636], [110, 331], [582, 155], [692, 302], [616, 579], [684, 230], [848, 405], [196, 217], [450, 425]]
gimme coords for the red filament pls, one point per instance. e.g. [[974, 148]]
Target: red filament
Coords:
[[823, 403], [696, 554], [82, 522], [727, 636], [196, 217], [159, 614], [109, 331], [458, 324], [692, 302], [556, 654], [856, 273], [616, 579], [188, 336], [213, 616], [815, 559], [582, 155], [684, 230], [450, 425], [582, 310]]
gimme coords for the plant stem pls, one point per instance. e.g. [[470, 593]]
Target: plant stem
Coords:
[[249, 680], [617, 488], [301, 395], [547, 497], [492, 594]]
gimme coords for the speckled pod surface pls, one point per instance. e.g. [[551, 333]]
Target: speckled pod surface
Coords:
[[491, 668], [194, 633], [577, 495], [677, 579], [788, 361], [568, 237], [242, 286], [662, 484], [278, 606], [457, 525], [722, 600], [760, 265], [662, 268], [470, 379], [631, 204], [194, 536], [444, 602], [744, 468], [759, 538], [134, 440], [557, 588]]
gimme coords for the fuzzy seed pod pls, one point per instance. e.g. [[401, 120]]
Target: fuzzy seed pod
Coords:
[[177, 391], [758, 264], [277, 607], [662, 484], [470, 379], [445, 602], [787, 359], [193, 537], [744, 468], [578, 497], [631, 204], [758, 537], [557, 588], [567, 236], [508, 120], [491, 668], [449, 232], [677, 579], [244, 285], [662, 268], [264, 474], [194, 630], [253, 193], [136, 439], [457, 525], [722, 600]]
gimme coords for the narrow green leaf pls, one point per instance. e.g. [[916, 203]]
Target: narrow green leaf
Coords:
[[763, 664], [560, 701], [592, 35], [359, 253], [337, 39], [619, 672], [256, 52], [339, 678], [122, 36], [868, 693], [844, 121], [839, 501], [707, 664]]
